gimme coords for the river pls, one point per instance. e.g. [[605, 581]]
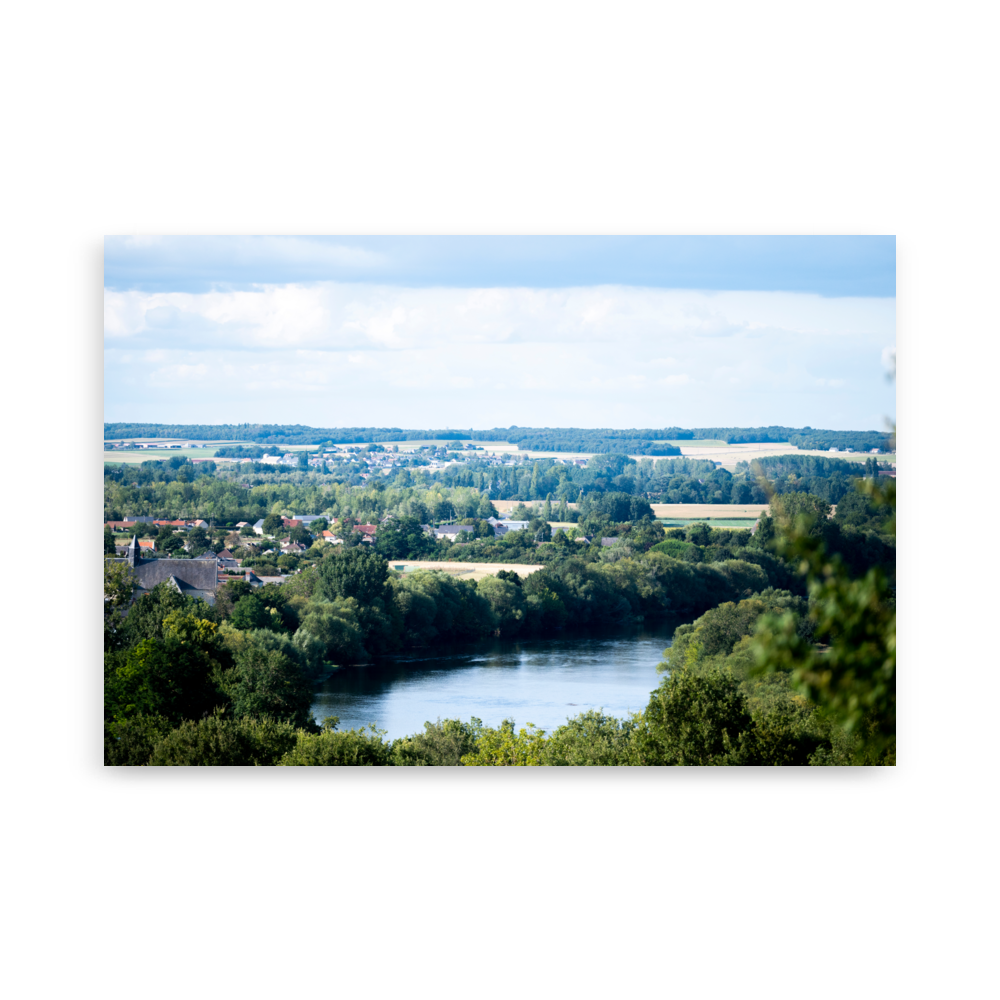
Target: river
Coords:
[[535, 680]]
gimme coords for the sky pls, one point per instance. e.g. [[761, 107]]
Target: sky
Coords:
[[493, 331]]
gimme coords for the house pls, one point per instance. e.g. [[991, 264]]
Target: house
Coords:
[[242, 524], [367, 529], [259, 527], [875, 451], [452, 531], [329, 536], [191, 577], [293, 547]]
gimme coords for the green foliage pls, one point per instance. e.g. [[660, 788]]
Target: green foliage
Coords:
[[250, 612], [403, 538], [358, 573], [593, 739], [441, 744], [119, 584], [268, 677], [329, 748], [502, 747], [175, 676], [220, 742], [336, 626], [696, 721], [506, 601], [129, 742]]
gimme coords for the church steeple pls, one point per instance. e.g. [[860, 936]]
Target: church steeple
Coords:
[[132, 553]]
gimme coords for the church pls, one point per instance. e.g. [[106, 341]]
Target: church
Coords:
[[191, 577]]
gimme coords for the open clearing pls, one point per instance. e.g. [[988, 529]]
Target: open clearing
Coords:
[[691, 443], [676, 522], [700, 511], [151, 454], [466, 570]]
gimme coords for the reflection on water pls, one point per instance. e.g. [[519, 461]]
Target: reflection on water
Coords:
[[536, 680]]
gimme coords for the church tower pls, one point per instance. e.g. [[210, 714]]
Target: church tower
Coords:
[[132, 553]]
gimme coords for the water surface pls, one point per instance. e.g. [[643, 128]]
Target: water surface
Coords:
[[543, 681]]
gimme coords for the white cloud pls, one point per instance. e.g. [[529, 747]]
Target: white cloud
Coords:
[[451, 356]]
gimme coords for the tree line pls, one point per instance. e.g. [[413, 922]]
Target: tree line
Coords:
[[646, 441]]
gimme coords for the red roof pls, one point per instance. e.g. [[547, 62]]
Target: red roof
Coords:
[[367, 529]]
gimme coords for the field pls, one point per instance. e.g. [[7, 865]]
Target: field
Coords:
[[151, 454], [734, 523], [691, 443], [467, 571], [701, 511]]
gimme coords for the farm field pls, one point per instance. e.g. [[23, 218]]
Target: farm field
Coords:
[[151, 454], [725, 522], [467, 571], [701, 511], [691, 443]]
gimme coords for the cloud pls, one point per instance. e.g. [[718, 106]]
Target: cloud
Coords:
[[349, 354]]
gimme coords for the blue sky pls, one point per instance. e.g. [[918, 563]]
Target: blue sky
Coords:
[[492, 331]]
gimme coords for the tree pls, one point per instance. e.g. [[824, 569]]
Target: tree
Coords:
[[175, 676], [359, 573], [273, 524], [227, 595], [502, 747], [129, 742], [250, 612], [506, 601], [854, 679], [329, 748], [441, 744], [119, 585], [695, 721], [220, 742], [403, 538], [485, 509], [268, 680], [109, 542]]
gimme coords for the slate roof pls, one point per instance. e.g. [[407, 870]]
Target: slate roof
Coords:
[[197, 573]]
